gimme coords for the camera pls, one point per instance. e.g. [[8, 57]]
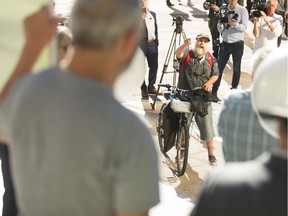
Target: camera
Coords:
[[179, 23], [258, 6], [207, 5], [223, 13]]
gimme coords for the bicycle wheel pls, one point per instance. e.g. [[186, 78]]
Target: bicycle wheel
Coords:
[[160, 129], [182, 148]]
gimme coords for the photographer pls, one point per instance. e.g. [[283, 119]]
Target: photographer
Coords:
[[213, 7], [232, 27], [268, 27]]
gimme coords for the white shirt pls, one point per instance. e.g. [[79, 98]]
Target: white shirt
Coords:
[[267, 38], [150, 25]]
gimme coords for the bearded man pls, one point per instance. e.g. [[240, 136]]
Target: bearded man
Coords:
[[201, 70]]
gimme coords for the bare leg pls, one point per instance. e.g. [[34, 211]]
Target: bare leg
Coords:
[[211, 156]]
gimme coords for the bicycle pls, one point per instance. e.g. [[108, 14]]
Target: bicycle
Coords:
[[180, 140], [181, 102]]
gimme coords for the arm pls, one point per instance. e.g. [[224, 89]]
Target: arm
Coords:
[[242, 25], [210, 82], [156, 27], [256, 31], [265, 18], [39, 28], [179, 51], [277, 28]]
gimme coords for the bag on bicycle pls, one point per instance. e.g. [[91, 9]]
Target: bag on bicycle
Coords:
[[199, 100], [170, 126]]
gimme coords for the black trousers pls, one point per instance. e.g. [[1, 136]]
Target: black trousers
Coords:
[[150, 51], [9, 201]]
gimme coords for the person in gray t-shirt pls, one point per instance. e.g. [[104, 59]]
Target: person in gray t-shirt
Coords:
[[76, 150]]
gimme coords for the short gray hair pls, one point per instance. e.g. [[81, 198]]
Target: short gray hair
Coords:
[[99, 24]]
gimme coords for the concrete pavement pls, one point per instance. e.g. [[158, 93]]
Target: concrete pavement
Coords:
[[178, 193]]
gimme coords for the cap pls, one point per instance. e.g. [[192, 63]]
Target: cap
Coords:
[[270, 93], [203, 36]]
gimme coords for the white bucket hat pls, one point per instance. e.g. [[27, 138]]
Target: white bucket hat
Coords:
[[270, 90]]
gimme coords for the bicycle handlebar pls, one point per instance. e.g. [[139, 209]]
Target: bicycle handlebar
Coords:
[[168, 86]]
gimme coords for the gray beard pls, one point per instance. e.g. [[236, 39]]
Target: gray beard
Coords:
[[200, 52]]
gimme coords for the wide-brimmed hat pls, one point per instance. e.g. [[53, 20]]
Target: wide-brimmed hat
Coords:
[[202, 35], [270, 94]]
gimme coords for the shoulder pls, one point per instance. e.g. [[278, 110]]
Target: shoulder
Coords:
[[236, 100], [209, 57], [240, 9], [39, 80], [277, 16], [234, 175], [237, 95]]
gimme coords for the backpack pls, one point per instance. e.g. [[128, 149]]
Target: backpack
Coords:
[[188, 57]]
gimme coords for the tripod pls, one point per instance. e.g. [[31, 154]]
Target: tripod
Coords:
[[178, 32]]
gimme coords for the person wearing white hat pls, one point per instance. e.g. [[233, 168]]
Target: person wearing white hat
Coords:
[[198, 68], [257, 187]]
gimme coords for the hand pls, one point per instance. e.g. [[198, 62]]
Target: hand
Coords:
[[232, 23], [256, 19], [207, 87], [263, 15], [187, 41], [215, 8], [40, 27]]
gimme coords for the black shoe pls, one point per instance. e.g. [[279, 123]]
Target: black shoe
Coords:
[[169, 4], [212, 160], [144, 95]]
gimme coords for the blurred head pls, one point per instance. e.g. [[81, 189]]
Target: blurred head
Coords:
[[273, 7], [201, 45], [233, 3], [258, 57], [270, 94], [101, 24], [64, 40]]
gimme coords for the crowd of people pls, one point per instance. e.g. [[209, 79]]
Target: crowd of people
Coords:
[[71, 150]]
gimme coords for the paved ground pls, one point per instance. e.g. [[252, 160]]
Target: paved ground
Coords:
[[178, 194]]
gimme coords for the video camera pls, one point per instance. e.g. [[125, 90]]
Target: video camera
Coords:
[[223, 13], [179, 23], [207, 5], [258, 6]]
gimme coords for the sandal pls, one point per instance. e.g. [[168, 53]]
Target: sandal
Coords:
[[212, 160]]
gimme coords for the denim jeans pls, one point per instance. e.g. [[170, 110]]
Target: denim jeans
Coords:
[[226, 49]]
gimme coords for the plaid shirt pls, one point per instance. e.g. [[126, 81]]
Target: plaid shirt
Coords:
[[238, 125]]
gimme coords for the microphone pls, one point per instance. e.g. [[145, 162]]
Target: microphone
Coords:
[[234, 18]]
